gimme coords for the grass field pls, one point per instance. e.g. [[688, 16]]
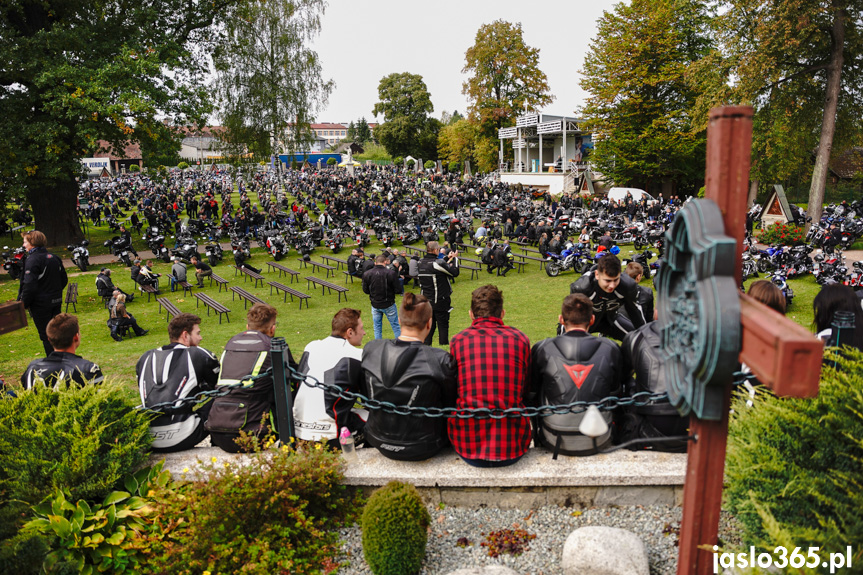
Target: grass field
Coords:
[[532, 302]]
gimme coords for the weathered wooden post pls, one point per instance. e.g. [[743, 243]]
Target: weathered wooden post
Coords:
[[707, 325]]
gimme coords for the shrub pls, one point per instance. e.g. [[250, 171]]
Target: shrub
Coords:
[[134, 168], [782, 234], [399, 161], [279, 514], [331, 161], [455, 167], [183, 165], [82, 440], [429, 165], [794, 475], [394, 526], [411, 163]]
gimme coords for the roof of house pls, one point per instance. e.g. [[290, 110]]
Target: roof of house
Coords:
[[848, 164], [328, 127], [132, 151]]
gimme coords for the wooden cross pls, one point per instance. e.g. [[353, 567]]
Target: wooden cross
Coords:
[[783, 355]]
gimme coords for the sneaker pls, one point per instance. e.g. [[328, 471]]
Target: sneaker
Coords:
[[116, 337]]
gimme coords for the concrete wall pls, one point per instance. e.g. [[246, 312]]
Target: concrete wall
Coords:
[[552, 183]]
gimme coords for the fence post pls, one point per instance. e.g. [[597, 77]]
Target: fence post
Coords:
[[284, 400]]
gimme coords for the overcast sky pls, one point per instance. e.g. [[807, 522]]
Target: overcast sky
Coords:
[[362, 41]]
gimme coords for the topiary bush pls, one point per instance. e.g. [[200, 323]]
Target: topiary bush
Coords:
[[394, 526], [455, 167], [411, 163], [794, 470], [183, 165], [429, 165], [399, 161], [82, 440], [331, 161], [134, 168]]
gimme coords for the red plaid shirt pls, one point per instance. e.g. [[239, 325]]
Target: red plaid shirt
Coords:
[[493, 362]]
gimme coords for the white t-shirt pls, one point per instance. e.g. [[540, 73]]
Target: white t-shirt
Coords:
[[311, 421]]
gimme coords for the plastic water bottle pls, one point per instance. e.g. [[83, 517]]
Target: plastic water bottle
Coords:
[[348, 448]]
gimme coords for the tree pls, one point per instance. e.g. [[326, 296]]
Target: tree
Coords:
[[160, 144], [74, 72], [364, 133], [405, 103], [457, 141], [505, 76], [640, 104], [797, 63], [267, 77]]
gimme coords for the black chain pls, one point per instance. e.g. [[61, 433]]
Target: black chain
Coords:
[[609, 403]]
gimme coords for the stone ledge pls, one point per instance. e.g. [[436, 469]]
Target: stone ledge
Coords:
[[619, 478]]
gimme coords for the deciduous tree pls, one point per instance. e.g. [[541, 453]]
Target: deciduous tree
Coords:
[[73, 72], [405, 103], [504, 77]]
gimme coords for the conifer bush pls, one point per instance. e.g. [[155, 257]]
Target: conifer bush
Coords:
[[82, 440], [795, 466], [395, 530]]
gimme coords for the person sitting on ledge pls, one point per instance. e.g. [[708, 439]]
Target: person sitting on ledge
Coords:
[[575, 366], [62, 366]]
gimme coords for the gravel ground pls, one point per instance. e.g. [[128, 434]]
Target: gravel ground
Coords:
[[656, 525]]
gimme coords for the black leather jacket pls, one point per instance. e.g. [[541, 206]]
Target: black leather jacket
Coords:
[[434, 277], [403, 373], [43, 280], [60, 367], [572, 367], [381, 283], [606, 305]]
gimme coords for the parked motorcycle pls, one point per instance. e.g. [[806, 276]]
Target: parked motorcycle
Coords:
[[188, 248], [277, 246], [779, 280], [213, 252], [120, 248], [156, 244], [14, 261], [569, 259], [240, 247], [80, 255]]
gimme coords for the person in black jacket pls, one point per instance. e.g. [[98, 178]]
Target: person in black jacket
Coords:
[[382, 285], [608, 289], [434, 276], [355, 261], [105, 286], [575, 366], [402, 371], [42, 284], [62, 366], [645, 295], [644, 369]]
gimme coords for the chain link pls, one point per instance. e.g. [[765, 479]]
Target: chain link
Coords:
[[610, 403]]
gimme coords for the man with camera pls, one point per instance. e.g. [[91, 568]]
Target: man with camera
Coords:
[[435, 275]]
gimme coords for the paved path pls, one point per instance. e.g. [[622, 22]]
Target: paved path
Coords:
[[145, 255]]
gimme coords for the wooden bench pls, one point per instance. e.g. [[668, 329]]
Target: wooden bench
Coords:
[[339, 262], [348, 275], [247, 273], [474, 271], [316, 265], [212, 305], [283, 270], [72, 297], [327, 285], [15, 229], [541, 261], [149, 290], [187, 288], [166, 305], [245, 296], [290, 292], [220, 281]]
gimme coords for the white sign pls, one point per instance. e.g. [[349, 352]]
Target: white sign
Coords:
[[549, 128], [527, 120]]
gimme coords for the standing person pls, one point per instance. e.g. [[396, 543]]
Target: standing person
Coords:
[[62, 366], [202, 270], [608, 289], [575, 366], [493, 367], [251, 406], [312, 420], [174, 371], [434, 276], [381, 284], [42, 284]]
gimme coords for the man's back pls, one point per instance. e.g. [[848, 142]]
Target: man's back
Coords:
[[61, 367], [493, 363]]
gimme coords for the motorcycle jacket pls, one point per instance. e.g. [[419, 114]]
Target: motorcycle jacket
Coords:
[[104, 285], [171, 373], [402, 373], [606, 305], [44, 278], [434, 277], [381, 284], [61, 367], [645, 370], [573, 367]]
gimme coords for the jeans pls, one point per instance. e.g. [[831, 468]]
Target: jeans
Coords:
[[378, 319]]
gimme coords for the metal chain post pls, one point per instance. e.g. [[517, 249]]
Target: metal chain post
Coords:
[[284, 399]]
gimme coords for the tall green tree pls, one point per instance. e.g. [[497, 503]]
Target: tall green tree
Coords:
[[73, 72], [364, 133], [457, 141], [504, 77], [405, 104], [268, 78], [641, 101], [798, 63]]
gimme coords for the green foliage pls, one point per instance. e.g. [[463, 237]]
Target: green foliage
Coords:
[[25, 553], [279, 514], [363, 132], [793, 469], [374, 152], [457, 141], [411, 163], [97, 537], [399, 161], [267, 75], [783, 234], [331, 161], [394, 525], [429, 164], [183, 165], [405, 103], [455, 167], [504, 75], [82, 440], [134, 168]]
